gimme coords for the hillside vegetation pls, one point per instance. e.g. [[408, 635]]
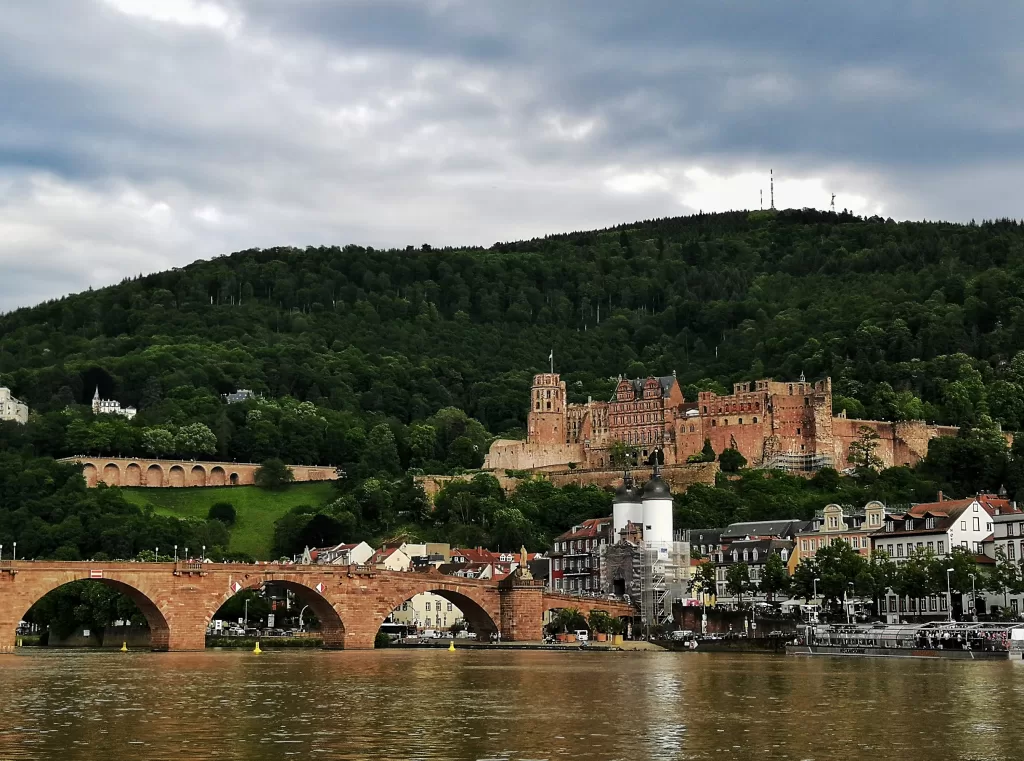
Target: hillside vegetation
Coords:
[[383, 362]]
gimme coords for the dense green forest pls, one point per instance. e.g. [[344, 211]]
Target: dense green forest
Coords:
[[388, 362]]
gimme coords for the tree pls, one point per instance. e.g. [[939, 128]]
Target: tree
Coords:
[[223, 512], [839, 567], [273, 474], [737, 580], [731, 460], [918, 575], [708, 451], [380, 455], [802, 583], [195, 439], [568, 620], [1006, 578], [157, 441], [600, 621], [774, 578], [705, 579], [862, 449], [878, 578]]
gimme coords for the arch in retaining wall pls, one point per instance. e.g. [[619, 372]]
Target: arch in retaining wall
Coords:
[[133, 475], [197, 476], [111, 474], [176, 476], [217, 477], [154, 475]]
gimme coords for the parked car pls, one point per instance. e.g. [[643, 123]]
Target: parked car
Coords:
[[776, 634], [582, 635], [680, 635]]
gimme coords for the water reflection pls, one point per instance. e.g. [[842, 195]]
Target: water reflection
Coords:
[[505, 705]]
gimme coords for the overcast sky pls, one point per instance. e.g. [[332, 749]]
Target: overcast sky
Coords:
[[137, 135]]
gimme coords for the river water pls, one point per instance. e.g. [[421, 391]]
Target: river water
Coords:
[[512, 705]]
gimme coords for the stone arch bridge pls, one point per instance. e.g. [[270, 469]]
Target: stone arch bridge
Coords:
[[180, 599]]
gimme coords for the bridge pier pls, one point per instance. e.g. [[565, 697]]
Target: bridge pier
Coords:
[[522, 609]]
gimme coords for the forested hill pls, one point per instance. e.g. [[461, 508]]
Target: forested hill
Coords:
[[909, 320]]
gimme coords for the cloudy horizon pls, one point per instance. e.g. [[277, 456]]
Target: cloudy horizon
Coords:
[[139, 135]]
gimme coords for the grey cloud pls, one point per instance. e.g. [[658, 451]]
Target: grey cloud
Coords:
[[129, 143]]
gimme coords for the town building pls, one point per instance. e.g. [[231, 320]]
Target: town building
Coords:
[[241, 395], [938, 527], [1008, 545], [340, 554], [841, 523], [577, 559], [754, 552], [785, 425], [428, 611], [110, 407], [391, 559], [12, 409]]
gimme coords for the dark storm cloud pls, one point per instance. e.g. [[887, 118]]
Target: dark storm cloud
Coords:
[[137, 135]]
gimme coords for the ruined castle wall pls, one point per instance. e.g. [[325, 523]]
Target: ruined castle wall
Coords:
[[846, 431], [521, 455]]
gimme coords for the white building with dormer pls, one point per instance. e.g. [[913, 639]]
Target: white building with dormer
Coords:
[[11, 408], [110, 407]]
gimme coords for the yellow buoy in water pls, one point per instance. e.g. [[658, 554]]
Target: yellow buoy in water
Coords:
[[257, 648], [124, 647], [451, 647]]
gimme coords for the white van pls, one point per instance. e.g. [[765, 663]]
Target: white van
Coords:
[[582, 635], [428, 634]]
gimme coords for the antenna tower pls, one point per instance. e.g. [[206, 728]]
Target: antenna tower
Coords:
[[771, 178], [761, 191], [833, 206]]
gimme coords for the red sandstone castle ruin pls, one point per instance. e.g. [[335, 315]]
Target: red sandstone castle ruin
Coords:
[[774, 425]]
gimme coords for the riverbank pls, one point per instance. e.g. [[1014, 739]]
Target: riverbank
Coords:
[[266, 643], [626, 645], [759, 646]]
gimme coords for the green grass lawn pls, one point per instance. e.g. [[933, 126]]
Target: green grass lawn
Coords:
[[257, 509]]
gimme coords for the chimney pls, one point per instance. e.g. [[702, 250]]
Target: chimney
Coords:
[[939, 497]]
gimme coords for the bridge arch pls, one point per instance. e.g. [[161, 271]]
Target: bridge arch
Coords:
[[154, 475], [332, 628], [217, 477], [480, 606], [21, 604]]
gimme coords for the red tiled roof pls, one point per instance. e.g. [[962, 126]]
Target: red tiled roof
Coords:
[[586, 530]]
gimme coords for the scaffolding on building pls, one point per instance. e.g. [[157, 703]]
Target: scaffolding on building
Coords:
[[800, 462]]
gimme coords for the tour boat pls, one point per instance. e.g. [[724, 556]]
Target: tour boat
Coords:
[[934, 639]]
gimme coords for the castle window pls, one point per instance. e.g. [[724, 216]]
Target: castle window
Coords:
[[797, 431], [714, 423], [791, 389], [705, 409], [755, 418], [741, 421], [549, 405], [725, 422], [538, 405], [548, 393], [691, 429]]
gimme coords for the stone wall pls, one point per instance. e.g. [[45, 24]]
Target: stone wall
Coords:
[[115, 471], [903, 443], [521, 455], [679, 477]]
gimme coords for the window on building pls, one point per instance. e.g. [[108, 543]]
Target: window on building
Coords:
[[881, 605], [932, 603], [943, 603], [889, 525], [1014, 607], [755, 418], [977, 548], [741, 421], [892, 603], [888, 550], [797, 431], [754, 556], [735, 556], [964, 544], [1009, 528], [977, 524], [1011, 551], [784, 555], [1022, 550], [929, 522], [745, 558], [931, 546], [428, 607], [941, 547], [803, 545], [963, 525], [405, 605], [899, 550]]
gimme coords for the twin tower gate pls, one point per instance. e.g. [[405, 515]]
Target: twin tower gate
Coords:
[[351, 602]]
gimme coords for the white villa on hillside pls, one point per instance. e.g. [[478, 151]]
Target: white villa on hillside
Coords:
[[110, 407], [11, 408]]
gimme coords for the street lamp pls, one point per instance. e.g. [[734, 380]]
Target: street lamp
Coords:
[[175, 553], [949, 592], [974, 600], [1, 552], [849, 603], [300, 616], [246, 614], [186, 553], [204, 554], [14, 552], [156, 555]]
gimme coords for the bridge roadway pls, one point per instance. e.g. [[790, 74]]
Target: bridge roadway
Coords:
[[180, 599]]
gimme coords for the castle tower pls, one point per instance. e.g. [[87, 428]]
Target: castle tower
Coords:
[[546, 423], [96, 401]]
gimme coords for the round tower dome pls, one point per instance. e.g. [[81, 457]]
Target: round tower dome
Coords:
[[657, 511]]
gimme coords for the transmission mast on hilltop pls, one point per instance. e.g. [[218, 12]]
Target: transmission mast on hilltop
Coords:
[[771, 179], [832, 208]]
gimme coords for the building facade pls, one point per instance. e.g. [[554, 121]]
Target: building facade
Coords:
[[1008, 544], [11, 408], [785, 425], [841, 523], [578, 556], [110, 407]]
